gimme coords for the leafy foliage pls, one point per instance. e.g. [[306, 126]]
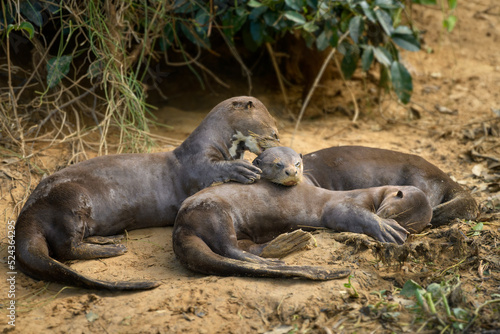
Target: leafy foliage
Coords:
[[118, 39], [371, 26]]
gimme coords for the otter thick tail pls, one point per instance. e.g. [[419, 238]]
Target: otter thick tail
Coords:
[[196, 255], [32, 257]]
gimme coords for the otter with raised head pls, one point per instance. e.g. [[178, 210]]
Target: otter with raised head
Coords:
[[69, 213], [222, 230], [358, 167]]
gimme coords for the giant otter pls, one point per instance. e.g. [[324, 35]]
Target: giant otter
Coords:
[[222, 230], [70, 211], [357, 167]]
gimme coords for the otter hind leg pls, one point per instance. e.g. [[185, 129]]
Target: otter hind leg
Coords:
[[461, 206]]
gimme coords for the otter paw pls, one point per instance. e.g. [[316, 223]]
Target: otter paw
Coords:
[[391, 231], [243, 171]]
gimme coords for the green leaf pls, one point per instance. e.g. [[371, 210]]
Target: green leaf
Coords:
[[57, 68], [202, 17], [401, 82], [32, 11], [350, 61], [310, 27], [383, 56], [313, 4], [385, 21], [410, 289], [295, 4], [28, 27], [295, 17], [356, 27], [323, 40], [257, 12], [257, 32], [254, 4], [369, 13], [460, 313], [452, 4], [271, 19], [450, 23], [193, 37], [232, 23], [367, 58], [388, 4], [334, 40], [477, 229], [435, 289], [404, 37]]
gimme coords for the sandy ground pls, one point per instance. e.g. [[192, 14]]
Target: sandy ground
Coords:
[[461, 74]]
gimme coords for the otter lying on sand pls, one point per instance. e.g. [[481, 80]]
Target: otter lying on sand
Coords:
[[222, 230], [357, 167]]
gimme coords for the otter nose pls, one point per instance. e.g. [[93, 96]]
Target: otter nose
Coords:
[[291, 172]]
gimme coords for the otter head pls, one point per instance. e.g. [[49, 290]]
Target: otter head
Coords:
[[409, 207], [254, 129], [280, 165]]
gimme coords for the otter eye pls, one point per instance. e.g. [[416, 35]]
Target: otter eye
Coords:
[[298, 164], [280, 165], [256, 162]]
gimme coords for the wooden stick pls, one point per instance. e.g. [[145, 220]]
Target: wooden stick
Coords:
[[356, 108], [315, 84], [278, 73]]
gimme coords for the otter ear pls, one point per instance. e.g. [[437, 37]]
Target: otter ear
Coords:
[[243, 105], [256, 162], [399, 194], [300, 154]]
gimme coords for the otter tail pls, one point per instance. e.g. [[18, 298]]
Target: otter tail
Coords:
[[196, 255], [32, 257]]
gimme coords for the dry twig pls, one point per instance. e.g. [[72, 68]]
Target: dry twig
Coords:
[[315, 84]]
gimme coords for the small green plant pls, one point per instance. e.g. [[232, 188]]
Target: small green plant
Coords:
[[433, 306], [384, 308], [449, 18], [475, 230], [352, 290]]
